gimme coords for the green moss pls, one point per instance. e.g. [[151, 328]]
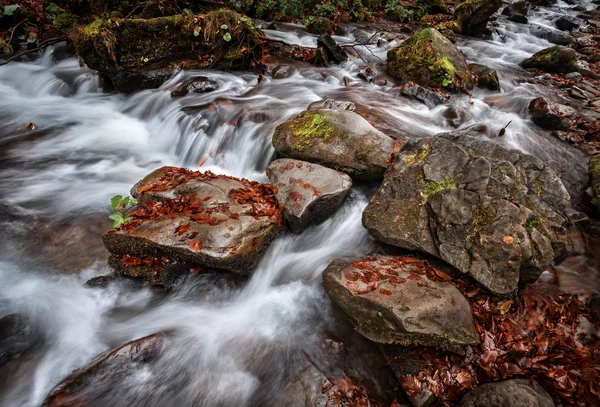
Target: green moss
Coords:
[[533, 222], [432, 188], [418, 156], [482, 217], [540, 187], [310, 125]]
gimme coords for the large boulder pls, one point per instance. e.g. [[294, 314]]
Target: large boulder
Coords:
[[489, 211], [339, 139], [554, 59], [431, 60], [513, 393], [473, 15], [310, 193], [199, 218], [89, 385], [392, 300], [138, 53]]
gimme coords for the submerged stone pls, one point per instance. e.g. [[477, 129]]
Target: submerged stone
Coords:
[[492, 212], [430, 60], [392, 300]]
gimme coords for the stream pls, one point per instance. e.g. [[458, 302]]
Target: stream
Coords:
[[233, 342]]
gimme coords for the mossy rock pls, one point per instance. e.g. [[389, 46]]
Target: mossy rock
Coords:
[[319, 25], [486, 77], [518, 18], [554, 59], [473, 15], [66, 22], [339, 139], [127, 51], [431, 60], [594, 167]]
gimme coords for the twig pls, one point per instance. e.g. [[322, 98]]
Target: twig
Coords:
[[41, 45], [503, 129], [363, 44]]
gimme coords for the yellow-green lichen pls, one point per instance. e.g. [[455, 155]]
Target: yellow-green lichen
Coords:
[[432, 188], [310, 125]]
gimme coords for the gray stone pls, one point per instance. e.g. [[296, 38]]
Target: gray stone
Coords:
[[392, 301], [554, 59], [489, 211], [430, 98], [310, 193], [509, 393]]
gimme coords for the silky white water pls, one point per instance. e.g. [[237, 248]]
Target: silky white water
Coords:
[[230, 341]]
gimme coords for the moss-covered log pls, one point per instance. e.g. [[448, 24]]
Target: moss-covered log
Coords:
[[130, 52]]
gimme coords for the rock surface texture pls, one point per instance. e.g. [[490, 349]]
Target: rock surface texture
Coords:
[[199, 218], [473, 15], [392, 300], [554, 59], [310, 193], [339, 139], [492, 212], [513, 393]]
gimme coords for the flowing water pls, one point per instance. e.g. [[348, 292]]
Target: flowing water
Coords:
[[232, 343]]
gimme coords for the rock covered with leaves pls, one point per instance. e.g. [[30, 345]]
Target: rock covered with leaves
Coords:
[[310, 193], [492, 212], [393, 300], [138, 53], [196, 218], [431, 60], [339, 139]]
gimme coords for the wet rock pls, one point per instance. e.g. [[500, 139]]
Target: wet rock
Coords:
[[513, 393], [86, 386], [17, 335], [574, 76], [162, 272], [492, 212], [198, 218], [521, 7], [310, 193], [594, 168], [549, 117], [304, 389], [282, 72], [100, 281], [473, 15], [554, 37], [565, 24], [455, 116], [127, 51], [554, 59], [333, 105], [518, 18], [198, 84], [486, 77], [320, 25], [338, 139], [430, 60], [430, 98], [335, 53], [391, 300]]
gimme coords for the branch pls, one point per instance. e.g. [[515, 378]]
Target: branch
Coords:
[[41, 46]]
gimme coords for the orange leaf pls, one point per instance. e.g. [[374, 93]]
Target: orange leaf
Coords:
[[508, 239]]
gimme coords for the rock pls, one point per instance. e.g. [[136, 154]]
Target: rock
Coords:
[[198, 218], [574, 76], [128, 51], [392, 300], [521, 7], [430, 60], [513, 393], [594, 168], [310, 193], [333, 105], [305, 389], [455, 116], [17, 335], [158, 271], [565, 24], [198, 84], [547, 117], [554, 37], [473, 15], [486, 77], [88, 385], [585, 330], [335, 53], [430, 98], [491, 212], [554, 59], [339, 139], [518, 18], [320, 25], [282, 72]]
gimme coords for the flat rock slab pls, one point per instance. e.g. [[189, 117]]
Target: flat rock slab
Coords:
[[339, 139], [492, 212], [199, 218], [310, 193], [514, 393], [392, 300]]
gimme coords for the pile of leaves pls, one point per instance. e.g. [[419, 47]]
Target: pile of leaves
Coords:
[[344, 392], [155, 263], [539, 336]]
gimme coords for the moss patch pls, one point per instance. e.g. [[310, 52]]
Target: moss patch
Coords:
[[432, 188], [308, 126]]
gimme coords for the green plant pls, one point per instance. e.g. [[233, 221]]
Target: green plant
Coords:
[[119, 205], [52, 11]]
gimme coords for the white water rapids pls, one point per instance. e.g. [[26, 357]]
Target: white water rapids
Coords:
[[232, 342]]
